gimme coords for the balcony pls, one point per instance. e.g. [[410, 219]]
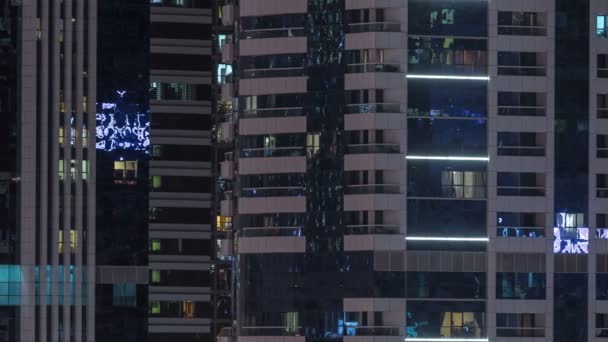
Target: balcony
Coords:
[[360, 189], [270, 231], [369, 108], [226, 132], [227, 205], [227, 169], [274, 33], [225, 249], [227, 91], [273, 72], [287, 191], [228, 52], [293, 151], [372, 148], [372, 67], [272, 112], [228, 12], [374, 27], [372, 229], [526, 232]]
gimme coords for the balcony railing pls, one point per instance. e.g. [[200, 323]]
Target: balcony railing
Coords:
[[366, 108], [272, 112], [271, 331], [277, 191], [532, 191], [274, 33], [372, 67], [521, 70], [359, 189], [521, 151], [522, 110], [262, 152], [374, 27], [273, 72], [371, 229], [270, 231], [519, 30], [372, 148], [528, 232]]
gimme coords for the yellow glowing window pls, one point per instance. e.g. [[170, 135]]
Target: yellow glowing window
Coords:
[[313, 143], [223, 223], [61, 136], [189, 309], [125, 172], [155, 307], [73, 241]]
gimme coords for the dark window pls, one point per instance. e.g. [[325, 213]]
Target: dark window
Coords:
[[521, 144], [180, 30], [447, 137], [182, 3], [602, 66], [445, 285], [520, 285], [522, 23], [167, 61], [520, 184], [521, 103], [180, 215], [181, 184], [436, 218], [179, 278], [181, 153], [520, 325], [200, 122], [522, 63], [447, 99]]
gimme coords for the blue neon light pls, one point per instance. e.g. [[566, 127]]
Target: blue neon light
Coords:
[[122, 126]]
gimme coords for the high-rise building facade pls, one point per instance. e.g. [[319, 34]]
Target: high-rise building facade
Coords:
[[424, 170], [48, 97], [106, 112], [181, 182]]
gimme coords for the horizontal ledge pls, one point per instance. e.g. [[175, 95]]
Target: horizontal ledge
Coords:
[[446, 339], [449, 77], [457, 158], [439, 238]]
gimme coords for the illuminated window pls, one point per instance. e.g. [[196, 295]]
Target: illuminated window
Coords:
[[125, 172], [312, 144], [602, 26], [156, 276], [61, 136], [189, 309], [73, 241], [155, 307], [223, 223], [156, 245], [124, 294], [156, 150], [157, 182]]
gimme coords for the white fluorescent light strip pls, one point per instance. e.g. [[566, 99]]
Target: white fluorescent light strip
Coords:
[[450, 77], [448, 158], [460, 239], [417, 339]]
